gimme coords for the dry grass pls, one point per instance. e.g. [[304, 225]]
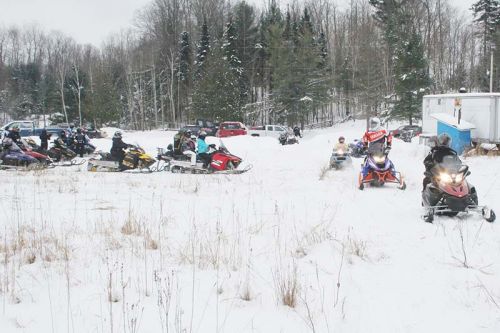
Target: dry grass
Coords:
[[287, 286]]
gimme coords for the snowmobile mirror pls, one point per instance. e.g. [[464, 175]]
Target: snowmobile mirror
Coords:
[[464, 169]]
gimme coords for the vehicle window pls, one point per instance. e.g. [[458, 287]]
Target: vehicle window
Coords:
[[200, 123], [23, 125], [210, 124], [279, 128], [231, 126], [269, 128], [400, 128]]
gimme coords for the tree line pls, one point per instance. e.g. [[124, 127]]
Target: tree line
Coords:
[[306, 62]]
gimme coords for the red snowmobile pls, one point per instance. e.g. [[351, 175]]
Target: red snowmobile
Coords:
[[449, 193], [221, 161]]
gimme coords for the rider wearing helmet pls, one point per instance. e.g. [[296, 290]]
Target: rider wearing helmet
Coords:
[[14, 134], [188, 147], [61, 140], [341, 145], [377, 134], [436, 155], [118, 147], [203, 149], [80, 140]]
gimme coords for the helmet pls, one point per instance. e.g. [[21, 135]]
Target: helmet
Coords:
[[188, 133], [444, 140], [193, 136], [62, 133], [341, 139], [374, 123], [78, 130], [7, 142], [15, 128], [117, 135], [202, 133]]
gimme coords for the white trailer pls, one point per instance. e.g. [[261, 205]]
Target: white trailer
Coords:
[[480, 109]]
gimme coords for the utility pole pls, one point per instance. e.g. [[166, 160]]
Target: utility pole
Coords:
[[491, 69]]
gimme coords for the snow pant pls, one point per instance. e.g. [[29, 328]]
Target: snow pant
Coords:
[[205, 157], [80, 149], [192, 155], [44, 144], [425, 182]]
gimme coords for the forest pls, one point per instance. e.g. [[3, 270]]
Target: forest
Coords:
[[302, 63]]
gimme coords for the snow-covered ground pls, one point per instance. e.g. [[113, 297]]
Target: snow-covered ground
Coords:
[[162, 252]]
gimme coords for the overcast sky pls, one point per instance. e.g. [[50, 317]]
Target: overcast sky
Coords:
[[91, 21]]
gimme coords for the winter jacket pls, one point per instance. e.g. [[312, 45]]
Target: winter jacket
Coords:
[[436, 156], [379, 135], [15, 136], [118, 147], [202, 146], [341, 146]]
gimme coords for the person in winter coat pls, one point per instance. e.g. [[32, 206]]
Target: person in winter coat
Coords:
[[15, 135], [188, 148], [436, 156], [4, 133], [341, 145], [44, 139], [377, 134], [296, 131], [118, 148], [80, 142], [203, 149], [60, 142]]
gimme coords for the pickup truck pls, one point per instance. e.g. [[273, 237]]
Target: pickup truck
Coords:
[[267, 130], [27, 128]]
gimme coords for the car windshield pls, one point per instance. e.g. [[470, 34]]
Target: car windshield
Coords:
[[231, 126]]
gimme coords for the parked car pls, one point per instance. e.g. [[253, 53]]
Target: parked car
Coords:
[[268, 130], [231, 128], [28, 128], [417, 130], [208, 126], [193, 128]]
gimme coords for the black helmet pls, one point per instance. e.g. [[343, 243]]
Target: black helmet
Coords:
[[341, 139], [117, 135], [78, 130], [202, 135], [444, 140], [62, 133]]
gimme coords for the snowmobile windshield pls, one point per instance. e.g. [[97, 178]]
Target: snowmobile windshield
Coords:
[[451, 162], [376, 148]]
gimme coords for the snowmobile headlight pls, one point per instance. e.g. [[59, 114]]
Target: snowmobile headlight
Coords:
[[379, 159], [340, 152], [445, 178], [459, 178]]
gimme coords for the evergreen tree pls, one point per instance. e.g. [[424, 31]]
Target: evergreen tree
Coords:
[[230, 52], [412, 79], [217, 94], [202, 51], [185, 60]]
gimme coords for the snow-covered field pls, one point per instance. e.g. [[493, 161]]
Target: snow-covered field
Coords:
[[161, 252]]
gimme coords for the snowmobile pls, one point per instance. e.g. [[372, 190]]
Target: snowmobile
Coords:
[[88, 148], [380, 169], [17, 160], [29, 147], [449, 193], [221, 161], [357, 149], [287, 139], [339, 158], [135, 159]]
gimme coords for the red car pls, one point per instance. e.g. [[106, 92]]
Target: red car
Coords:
[[231, 128]]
